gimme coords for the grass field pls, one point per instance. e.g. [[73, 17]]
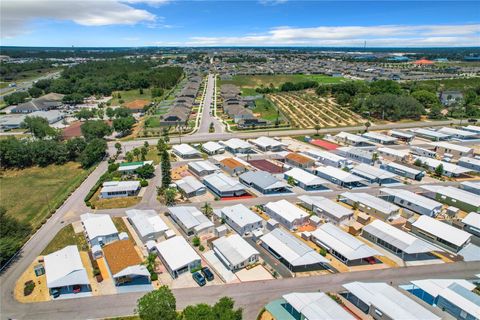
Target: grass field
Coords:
[[31, 74], [266, 109], [131, 95], [30, 194], [455, 84], [66, 237], [249, 81]]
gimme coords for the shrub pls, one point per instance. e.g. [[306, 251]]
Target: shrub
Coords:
[[323, 252], [154, 277], [96, 272], [201, 247], [196, 241], [28, 288], [143, 183]]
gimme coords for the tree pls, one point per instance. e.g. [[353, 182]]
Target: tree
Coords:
[[12, 234], [129, 156], [317, 128], [118, 146], [84, 114], [38, 127], [94, 152], [75, 147], [222, 310], [146, 171], [15, 98], [207, 210], [35, 92], [439, 170], [161, 146], [92, 129], [100, 113], [157, 304], [136, 153], [426, 98], [110, 113], [418, 163], [144, 152], [166, 169], [435, 112], [367, 125], [124, 125], [123, 112], [291, 181], [165, 135], [74, 98], [169, 195]]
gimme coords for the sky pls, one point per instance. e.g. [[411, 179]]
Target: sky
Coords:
[[134, 23]]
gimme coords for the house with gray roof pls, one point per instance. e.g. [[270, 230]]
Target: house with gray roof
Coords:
[[264, 182]]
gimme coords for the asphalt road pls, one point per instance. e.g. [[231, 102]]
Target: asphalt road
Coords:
[[25, 85], [207, 117]]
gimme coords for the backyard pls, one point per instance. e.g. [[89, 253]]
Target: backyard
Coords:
[[306, 110], [41, 190], [66, 237]]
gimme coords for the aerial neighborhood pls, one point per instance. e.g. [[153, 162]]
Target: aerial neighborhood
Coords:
[[239, 182]]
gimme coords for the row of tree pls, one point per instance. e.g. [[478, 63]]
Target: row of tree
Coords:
[[161, 304], [12, 235], [288, 86]]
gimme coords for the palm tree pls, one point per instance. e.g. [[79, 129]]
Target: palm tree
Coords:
[[317, 128], [207, 210], [367, 125]]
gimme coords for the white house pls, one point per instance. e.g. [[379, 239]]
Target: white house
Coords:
[[327, 209], [212, 147], [191, 220], [99, 228], [241, 219], [236, 145], [286, 213], [202, 168], [267, 144], [235, 252], [147, 224], [305, 180], [117, 189], [412, 201], [178, 256], [186, 151], [370, 204]]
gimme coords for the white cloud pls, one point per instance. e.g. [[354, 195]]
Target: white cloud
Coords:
[[383, 35], [17, 14]]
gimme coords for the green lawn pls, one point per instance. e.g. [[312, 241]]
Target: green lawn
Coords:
[[455, 84], [253, 81], [152, 122], [153, 155], [32, 193], [267, 110], [66, 237]]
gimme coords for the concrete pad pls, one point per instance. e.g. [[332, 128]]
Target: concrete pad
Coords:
[[219, 268], [74, 295], [255, 274], [77, 226], [135, 288]]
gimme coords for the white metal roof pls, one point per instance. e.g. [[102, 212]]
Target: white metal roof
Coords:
[[371, 201], [457, 132], [304, 177], [344, 243], [471, 128], [372, 172], [351, 137], [241, 215], [317, 306], [431, 133], [339, 174], [146, 221], [185, 149], [203, 165], [390, 301], [455, 193], [401, 153], [136, 270], [435, 286], [211, 146], [292, 249], [412, 197], [118, 186], [463, 298], [234, 249], [266, 142], [319, 154], [326, 205], [442, 230], [401, 133], [469, 160], [189, 184], [379, 136], [191, 217], [472, 219], [98, 225], [177, 253], [451, 146], [286, 210], [447, 166], [236, 143], [64, 268], [223, 182], [403, 167], [402, 240]]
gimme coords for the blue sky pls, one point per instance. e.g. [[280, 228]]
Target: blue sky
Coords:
[[242, 23]]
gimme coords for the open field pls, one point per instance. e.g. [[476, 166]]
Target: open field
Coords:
[[266, 109], [130, 95], [253, 81], [455, 84], [30, 75], [305, 110], [30, 194]]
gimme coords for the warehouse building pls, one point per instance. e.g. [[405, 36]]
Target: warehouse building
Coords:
[[412, 201], [343, 246], [397, 241], [441, 233], [327, 209]]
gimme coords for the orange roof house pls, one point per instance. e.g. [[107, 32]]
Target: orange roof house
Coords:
[[299, 160], [423, 62], [232, 166]]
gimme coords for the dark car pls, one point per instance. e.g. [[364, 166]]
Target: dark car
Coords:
[[197, 276], [55, 293], [207, 273]]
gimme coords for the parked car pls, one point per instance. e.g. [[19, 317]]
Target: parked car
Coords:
[[207, 273], [199, 279]]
